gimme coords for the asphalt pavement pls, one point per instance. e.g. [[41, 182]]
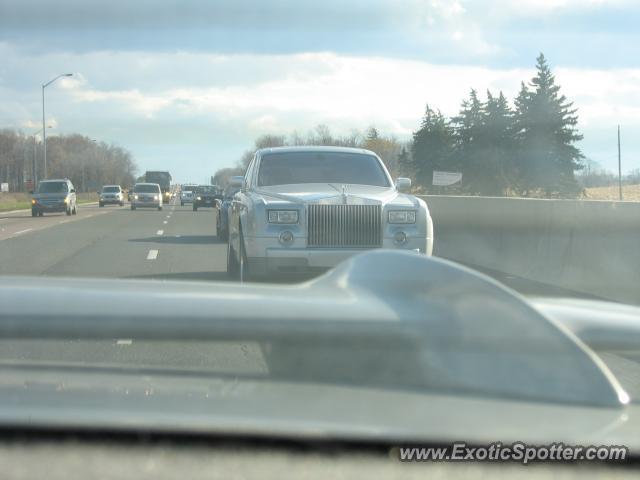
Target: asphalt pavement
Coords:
[[116, 242], [175, 243]]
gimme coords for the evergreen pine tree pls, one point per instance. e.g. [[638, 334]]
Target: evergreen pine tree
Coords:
[[432, 147], [545, 129]]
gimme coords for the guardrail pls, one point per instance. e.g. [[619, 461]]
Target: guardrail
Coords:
[[582, 245]]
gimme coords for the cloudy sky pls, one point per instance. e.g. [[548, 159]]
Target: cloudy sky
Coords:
[[187, 85]]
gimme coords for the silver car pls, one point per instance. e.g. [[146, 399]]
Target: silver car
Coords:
[[305, 209], [146, 195]]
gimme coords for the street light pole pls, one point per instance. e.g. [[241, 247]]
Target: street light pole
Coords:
[[44, 130], [34, 168]]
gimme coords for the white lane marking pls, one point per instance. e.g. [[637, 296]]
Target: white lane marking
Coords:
[[23, 231], [152, 255], [124, 341], [165, 222], [63, 221], [168, 216], [159, 232]]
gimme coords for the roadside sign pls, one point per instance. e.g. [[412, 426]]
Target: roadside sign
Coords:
[[445, 179], [4, 187]]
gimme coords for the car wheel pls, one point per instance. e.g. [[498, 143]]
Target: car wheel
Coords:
[[75, 210], [41, 213], [122, 204], [159, 207], [68, 212], [34, 212], [101, 204], [133, 207], [182, 204]]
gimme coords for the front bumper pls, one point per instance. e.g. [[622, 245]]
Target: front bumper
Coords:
[[205, 202], [143, 204], [51, 207], [267, 256], [109, 201]]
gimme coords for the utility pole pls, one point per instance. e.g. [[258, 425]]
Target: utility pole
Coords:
[[619, 167]]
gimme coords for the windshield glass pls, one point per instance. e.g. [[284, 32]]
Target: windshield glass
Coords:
[[496, 138], [315, 167], [53, 187], [141, 188]]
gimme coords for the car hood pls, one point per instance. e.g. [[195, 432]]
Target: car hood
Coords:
[[335, 193], [411, 348]]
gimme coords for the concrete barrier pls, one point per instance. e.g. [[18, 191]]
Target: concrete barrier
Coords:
[[585, 246]]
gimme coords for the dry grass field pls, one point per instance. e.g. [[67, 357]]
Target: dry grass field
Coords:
[[629, 193]]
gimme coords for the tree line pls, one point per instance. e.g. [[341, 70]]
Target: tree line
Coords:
[[526, 148], [87, 163]]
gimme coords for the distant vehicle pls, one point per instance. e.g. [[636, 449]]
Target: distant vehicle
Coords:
[[111, 194], [305, 209], [146, 195], [223, 204], [187, 193], [57, 195], [186, 196], [205, 196], [161, 178]]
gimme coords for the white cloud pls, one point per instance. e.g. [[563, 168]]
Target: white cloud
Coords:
[[232, 99]]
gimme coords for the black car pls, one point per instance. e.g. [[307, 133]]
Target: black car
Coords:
[[205, 196], [223, 212]]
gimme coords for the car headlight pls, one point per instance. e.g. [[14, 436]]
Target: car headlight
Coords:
[[66, 200], [402, 216], [155, 197], [33, 201], [283, 216], [135, 197], [199, 198]]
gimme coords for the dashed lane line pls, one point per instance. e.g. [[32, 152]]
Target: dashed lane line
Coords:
[[152, 255]]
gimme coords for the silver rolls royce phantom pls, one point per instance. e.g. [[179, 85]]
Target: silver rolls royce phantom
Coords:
[[305, 209]]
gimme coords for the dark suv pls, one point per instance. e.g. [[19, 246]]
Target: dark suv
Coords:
[[205, 196], [54, 196]]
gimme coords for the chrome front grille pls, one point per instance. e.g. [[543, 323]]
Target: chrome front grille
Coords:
[[347, 226]]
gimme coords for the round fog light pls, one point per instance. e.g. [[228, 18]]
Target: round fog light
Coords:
[[400, 238], [286, 237]]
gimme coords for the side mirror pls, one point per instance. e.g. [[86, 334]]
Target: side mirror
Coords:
[[237, 181], [73, 190], [403, 184]]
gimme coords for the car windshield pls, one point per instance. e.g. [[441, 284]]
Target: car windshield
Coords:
[[437, 158], [52, 187], [320, 167], [146, 189]]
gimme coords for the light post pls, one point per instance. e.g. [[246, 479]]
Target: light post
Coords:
[[34, 170], [44, 130]]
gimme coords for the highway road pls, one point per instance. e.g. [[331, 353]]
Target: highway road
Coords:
[[115, 242], [175, 243]]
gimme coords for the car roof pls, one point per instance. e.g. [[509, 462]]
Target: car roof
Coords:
[[314, 148], [111, 186], [147, 183], [55, 180]]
